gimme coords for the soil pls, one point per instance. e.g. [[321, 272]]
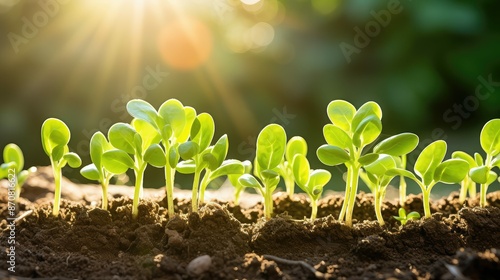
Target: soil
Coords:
[[225, 241]]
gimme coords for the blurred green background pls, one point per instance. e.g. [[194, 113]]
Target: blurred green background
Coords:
[[431, 65]]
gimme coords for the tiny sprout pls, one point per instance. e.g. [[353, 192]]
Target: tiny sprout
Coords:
[[467, 185], [238, 187], [404, 218], [295, 146], [55, 139], [12, 168]]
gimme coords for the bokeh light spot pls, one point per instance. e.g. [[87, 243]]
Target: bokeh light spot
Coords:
[[262, 34], [325, 6]]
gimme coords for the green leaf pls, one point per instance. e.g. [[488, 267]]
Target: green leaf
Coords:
[[4, 169], [190, 114], [479, 174], [155, 156], [413, 216], [166, 133], [141, 109], [203, 130], [478, 159], [492, 176], [301, 170], [54, 133], [451, 171], [368, 158], [490, 137], [464, 156], [295, 146], [138, 145], [12, 153], [121, 136], [367, 131], [73, 160], [229, 167], [173, 156], [369, 109], [117, 161], [401, 172], [383, 164], [249, 181], [341, 113], [397, 145], [318, 179], [219, 151], [186, 167], [271, 144], [90, 172], [335, 136], [98, 145], [188, 150], [429, 159], [210, 160], [332, 155], [172, 112], [58, 152], [149, 135]]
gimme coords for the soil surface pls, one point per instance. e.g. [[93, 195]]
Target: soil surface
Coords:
[[226, 241]]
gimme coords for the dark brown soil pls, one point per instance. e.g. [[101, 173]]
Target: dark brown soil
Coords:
[[84, 242]]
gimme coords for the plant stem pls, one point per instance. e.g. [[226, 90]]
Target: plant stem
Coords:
[[378, 206], [268, 203], [290, 186], [194, 196], [402, 183], [237, 195], [483, 190], [57, 192], [472, 189], [314, 209], [139, 174], [169, 188], [427, 206], [347, 194], [104, 186], [353, 186], [203, 186]]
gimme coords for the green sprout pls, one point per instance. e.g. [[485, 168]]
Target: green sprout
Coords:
[[402, 181], [238, 187], [55, 139], [295, 146], [139, 140], [431, 169], [96, 170], [404, 218], [12, 168], [467, 185], [310, 181], [482, 173], [173, 123], [271, 144], [350, 132]]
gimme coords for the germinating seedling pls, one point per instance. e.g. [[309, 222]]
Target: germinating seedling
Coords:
[[173, 123], [431, 170], [238, 187], [403, 218], [482, 173], [295, 146], [467, 185], [96, 170], [55, 139], [310, 181], [271, 144], [12, 168], [135, 146]]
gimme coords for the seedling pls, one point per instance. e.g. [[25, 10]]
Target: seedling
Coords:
[[96, 170], [238, 187], [173, 123], [482, 173], [135, 146], [271, 144], [350, 132], [295, 146], [12, 168], [55, 139], [431, 170], [403, 218], [467, 184], [310, 181]]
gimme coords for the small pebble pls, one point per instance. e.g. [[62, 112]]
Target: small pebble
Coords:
[[199, 265]]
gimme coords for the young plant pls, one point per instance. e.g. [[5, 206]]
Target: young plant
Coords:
[[271, 144], [402, 182], [12, 168], [350, 132], [404, 218], [295, 146], [238, 187], [482, 173], [96, 170], [55, 139], [310, 181], [135, 146], [467, 184], [431, 170], [173, 123]]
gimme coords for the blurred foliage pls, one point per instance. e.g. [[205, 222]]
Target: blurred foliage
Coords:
[[273, 61]]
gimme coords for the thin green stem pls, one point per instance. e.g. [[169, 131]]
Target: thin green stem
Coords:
[[402, 183], [104, 186], [57, 193], [314, 209], [204, 183], [426, 201], [194, 196], [290, 186], [139, 175], [268, 203], [378, 206], [483, 190], [463, 190], [169, 188], [346, 196], [472, 189], [237, 195], [353, 186]]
